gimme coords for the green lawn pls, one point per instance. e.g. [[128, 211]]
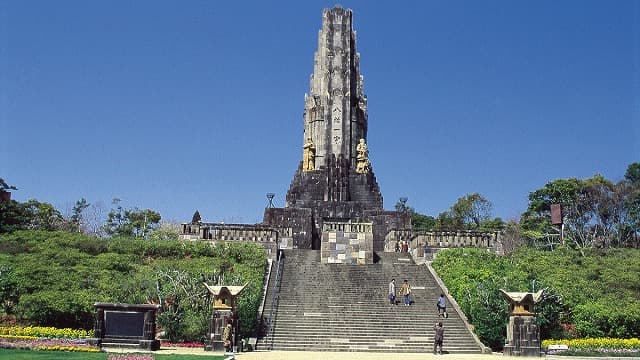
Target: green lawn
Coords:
[[54, 355]]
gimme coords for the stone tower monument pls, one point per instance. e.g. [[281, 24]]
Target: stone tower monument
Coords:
[[334, 203], [334, 186], [335, 164]]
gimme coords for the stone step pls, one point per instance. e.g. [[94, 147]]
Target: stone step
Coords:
[[427, 341], [310, 336], [331, 307], [416, 341], [364, 348]]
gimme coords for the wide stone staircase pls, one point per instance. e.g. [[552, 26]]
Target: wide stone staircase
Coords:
[[334, 307]]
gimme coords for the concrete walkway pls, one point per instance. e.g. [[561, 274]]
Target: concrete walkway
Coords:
[[303, 355], [310, 355]]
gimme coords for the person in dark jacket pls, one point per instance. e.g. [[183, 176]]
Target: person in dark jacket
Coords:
[[438, 338]]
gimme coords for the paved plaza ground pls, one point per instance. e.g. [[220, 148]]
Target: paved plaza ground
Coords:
[[311, 355]]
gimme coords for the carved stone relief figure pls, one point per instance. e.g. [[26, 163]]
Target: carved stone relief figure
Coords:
[[308, 156], [363, 166]]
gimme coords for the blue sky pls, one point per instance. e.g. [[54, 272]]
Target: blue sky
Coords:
[[177, 106]]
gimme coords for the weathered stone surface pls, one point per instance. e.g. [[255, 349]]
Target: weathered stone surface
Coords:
[[335, 121], [334, 181], [523, 337], [126, 325], [347, 243]]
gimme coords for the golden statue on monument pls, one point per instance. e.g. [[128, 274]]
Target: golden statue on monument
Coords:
[[308, 156], [363, 165]]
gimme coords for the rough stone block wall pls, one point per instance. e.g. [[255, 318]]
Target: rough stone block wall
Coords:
[[294, 224], [523, 337], [347, 243]]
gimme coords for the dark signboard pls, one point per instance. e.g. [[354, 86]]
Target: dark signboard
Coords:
[[556, 214], [124, 323]]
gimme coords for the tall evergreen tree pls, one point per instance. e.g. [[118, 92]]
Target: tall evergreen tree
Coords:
[[196, 217]]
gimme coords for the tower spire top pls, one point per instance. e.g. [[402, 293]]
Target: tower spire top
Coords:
[[335, 116]]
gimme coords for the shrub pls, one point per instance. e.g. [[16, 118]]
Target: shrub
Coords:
[[54, 278]]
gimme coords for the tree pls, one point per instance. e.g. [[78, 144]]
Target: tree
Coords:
[[166, 231], [195, 219], [632, 202], [596, 211], [4, 186], [95, 219], [470, 212], [143, 221], [401, 205], [8, 290], [418, 221], [131, 222], [512, 237], [633, 174], [117, 222], [422, 222], [537, 217], [77, 218], [13, 216], [447, 221], [44, 216]]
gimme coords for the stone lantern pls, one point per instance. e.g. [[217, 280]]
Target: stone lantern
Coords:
[[224, 308], [523, 335]]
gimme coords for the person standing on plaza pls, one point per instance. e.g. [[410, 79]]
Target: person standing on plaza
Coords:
[[392, 292], [405, 290], [226, 337], [442, 306], [438, 338]]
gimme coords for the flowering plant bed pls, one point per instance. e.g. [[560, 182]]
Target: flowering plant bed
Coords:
[[77, 345], [45, 332], [185, 344], [16, 354], [594, 346], [130, 357]]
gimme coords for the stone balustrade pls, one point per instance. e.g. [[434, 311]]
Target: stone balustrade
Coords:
[[420, 241]]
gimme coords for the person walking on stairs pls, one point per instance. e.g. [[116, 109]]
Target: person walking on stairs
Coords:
[[438, 338], [392, 292], [405, 290], [442, 306]]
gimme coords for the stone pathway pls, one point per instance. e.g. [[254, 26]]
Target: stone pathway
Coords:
[[304, 355]]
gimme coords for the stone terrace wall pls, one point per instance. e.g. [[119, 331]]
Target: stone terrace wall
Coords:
[[347, 243], [433, 240], [266, 236]]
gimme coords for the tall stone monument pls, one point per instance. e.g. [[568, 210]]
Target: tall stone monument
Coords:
[[334, 203], [335, 183]]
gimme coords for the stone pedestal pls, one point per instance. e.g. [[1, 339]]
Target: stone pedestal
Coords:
[[126, 326], [225, 310], [213, 340], [523, 337]]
